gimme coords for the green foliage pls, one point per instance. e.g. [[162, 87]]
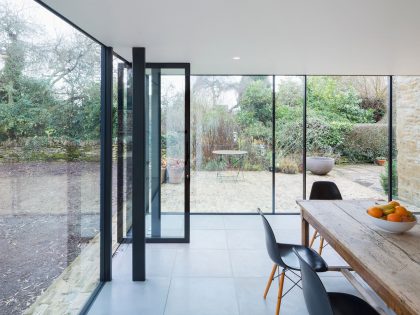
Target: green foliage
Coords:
[[326, 137], [366, 142], [215, 165], [289, 94], [255, 112], [384, 179], [327, 98]]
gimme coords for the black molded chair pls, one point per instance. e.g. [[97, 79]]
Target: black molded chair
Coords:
[[320, 302], [283, 257], [323, 190]]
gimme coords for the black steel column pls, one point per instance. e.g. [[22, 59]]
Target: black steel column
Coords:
[[304, 136], [139, 165], [273, 156], [187, 153], [106, 165], [390, 141]]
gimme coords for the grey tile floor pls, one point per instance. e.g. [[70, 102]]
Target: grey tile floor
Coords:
[[223, 270]]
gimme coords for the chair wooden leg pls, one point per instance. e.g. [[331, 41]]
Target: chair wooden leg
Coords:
[[273, 271], [313, 239], [321, 246], [280, 294]]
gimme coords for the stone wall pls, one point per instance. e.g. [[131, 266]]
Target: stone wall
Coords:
[[407, 133]]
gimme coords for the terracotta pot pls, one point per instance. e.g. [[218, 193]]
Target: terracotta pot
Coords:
[[380, 162]]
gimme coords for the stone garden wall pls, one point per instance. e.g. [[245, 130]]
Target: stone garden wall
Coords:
[[407, 132]]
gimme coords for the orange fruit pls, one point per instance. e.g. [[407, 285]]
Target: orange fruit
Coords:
[[394, 203], [375, 212], [405, 218], [401, 210], [394, 217]]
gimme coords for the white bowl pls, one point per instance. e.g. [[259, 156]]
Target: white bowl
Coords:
[[391, 227]]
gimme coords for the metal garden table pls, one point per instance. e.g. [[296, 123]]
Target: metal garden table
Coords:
[[237, 158]]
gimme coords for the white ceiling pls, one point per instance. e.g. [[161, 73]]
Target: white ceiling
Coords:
[[270, 36]]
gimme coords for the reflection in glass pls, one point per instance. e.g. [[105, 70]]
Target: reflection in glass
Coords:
[[49, 162]]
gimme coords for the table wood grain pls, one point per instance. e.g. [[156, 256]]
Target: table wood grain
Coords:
[[389, 263]]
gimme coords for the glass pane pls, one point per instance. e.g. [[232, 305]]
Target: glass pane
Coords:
[[166, 159], [122, 172], [231, 143], [406, 131], [289, 142], [49, 162], [347, 134]]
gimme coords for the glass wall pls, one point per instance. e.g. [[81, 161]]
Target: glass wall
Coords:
[[290, 98], [232, 139], [406, 140], [165, 101], [231, 143], [347, 134], [49, 162], [122, 153]]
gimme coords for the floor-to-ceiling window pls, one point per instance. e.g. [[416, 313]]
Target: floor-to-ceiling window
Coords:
[[347, 134], [231, 143], [232, 139], [289, 107], [121, 152], [49, 162]]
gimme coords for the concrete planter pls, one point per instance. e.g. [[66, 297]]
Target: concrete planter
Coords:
[[175, 174], [319, 165]]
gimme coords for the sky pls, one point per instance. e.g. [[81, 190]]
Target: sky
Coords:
[[36, 13]]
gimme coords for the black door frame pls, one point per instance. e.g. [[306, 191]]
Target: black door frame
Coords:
[[187, 69]]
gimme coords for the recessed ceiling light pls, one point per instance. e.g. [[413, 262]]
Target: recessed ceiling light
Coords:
[[236, 58]]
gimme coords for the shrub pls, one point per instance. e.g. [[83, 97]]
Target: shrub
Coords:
[[365, 142], [384, 179], [325, 137], [287, 165], [322, 136], [215, 165], [336, 101]]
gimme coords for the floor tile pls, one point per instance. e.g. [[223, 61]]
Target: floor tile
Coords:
[[202, 263], [127, 297], [245, 239], [207, 222], [250, 263], [243, 222], [202, 296], [224, 270], [208, 239], [160, 262], [251, 302]]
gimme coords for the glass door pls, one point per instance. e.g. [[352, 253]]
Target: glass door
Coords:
[[167, 151]]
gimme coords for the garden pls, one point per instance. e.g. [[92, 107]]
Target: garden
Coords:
[[346, 120]]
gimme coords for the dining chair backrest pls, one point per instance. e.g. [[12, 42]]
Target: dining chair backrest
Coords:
[[270, 241], [316, 297], [325, 190]]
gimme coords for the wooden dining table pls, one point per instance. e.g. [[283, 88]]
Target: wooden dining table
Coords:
[[388, 263]]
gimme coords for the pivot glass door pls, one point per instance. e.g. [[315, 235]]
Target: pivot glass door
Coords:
[[167, 152]]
